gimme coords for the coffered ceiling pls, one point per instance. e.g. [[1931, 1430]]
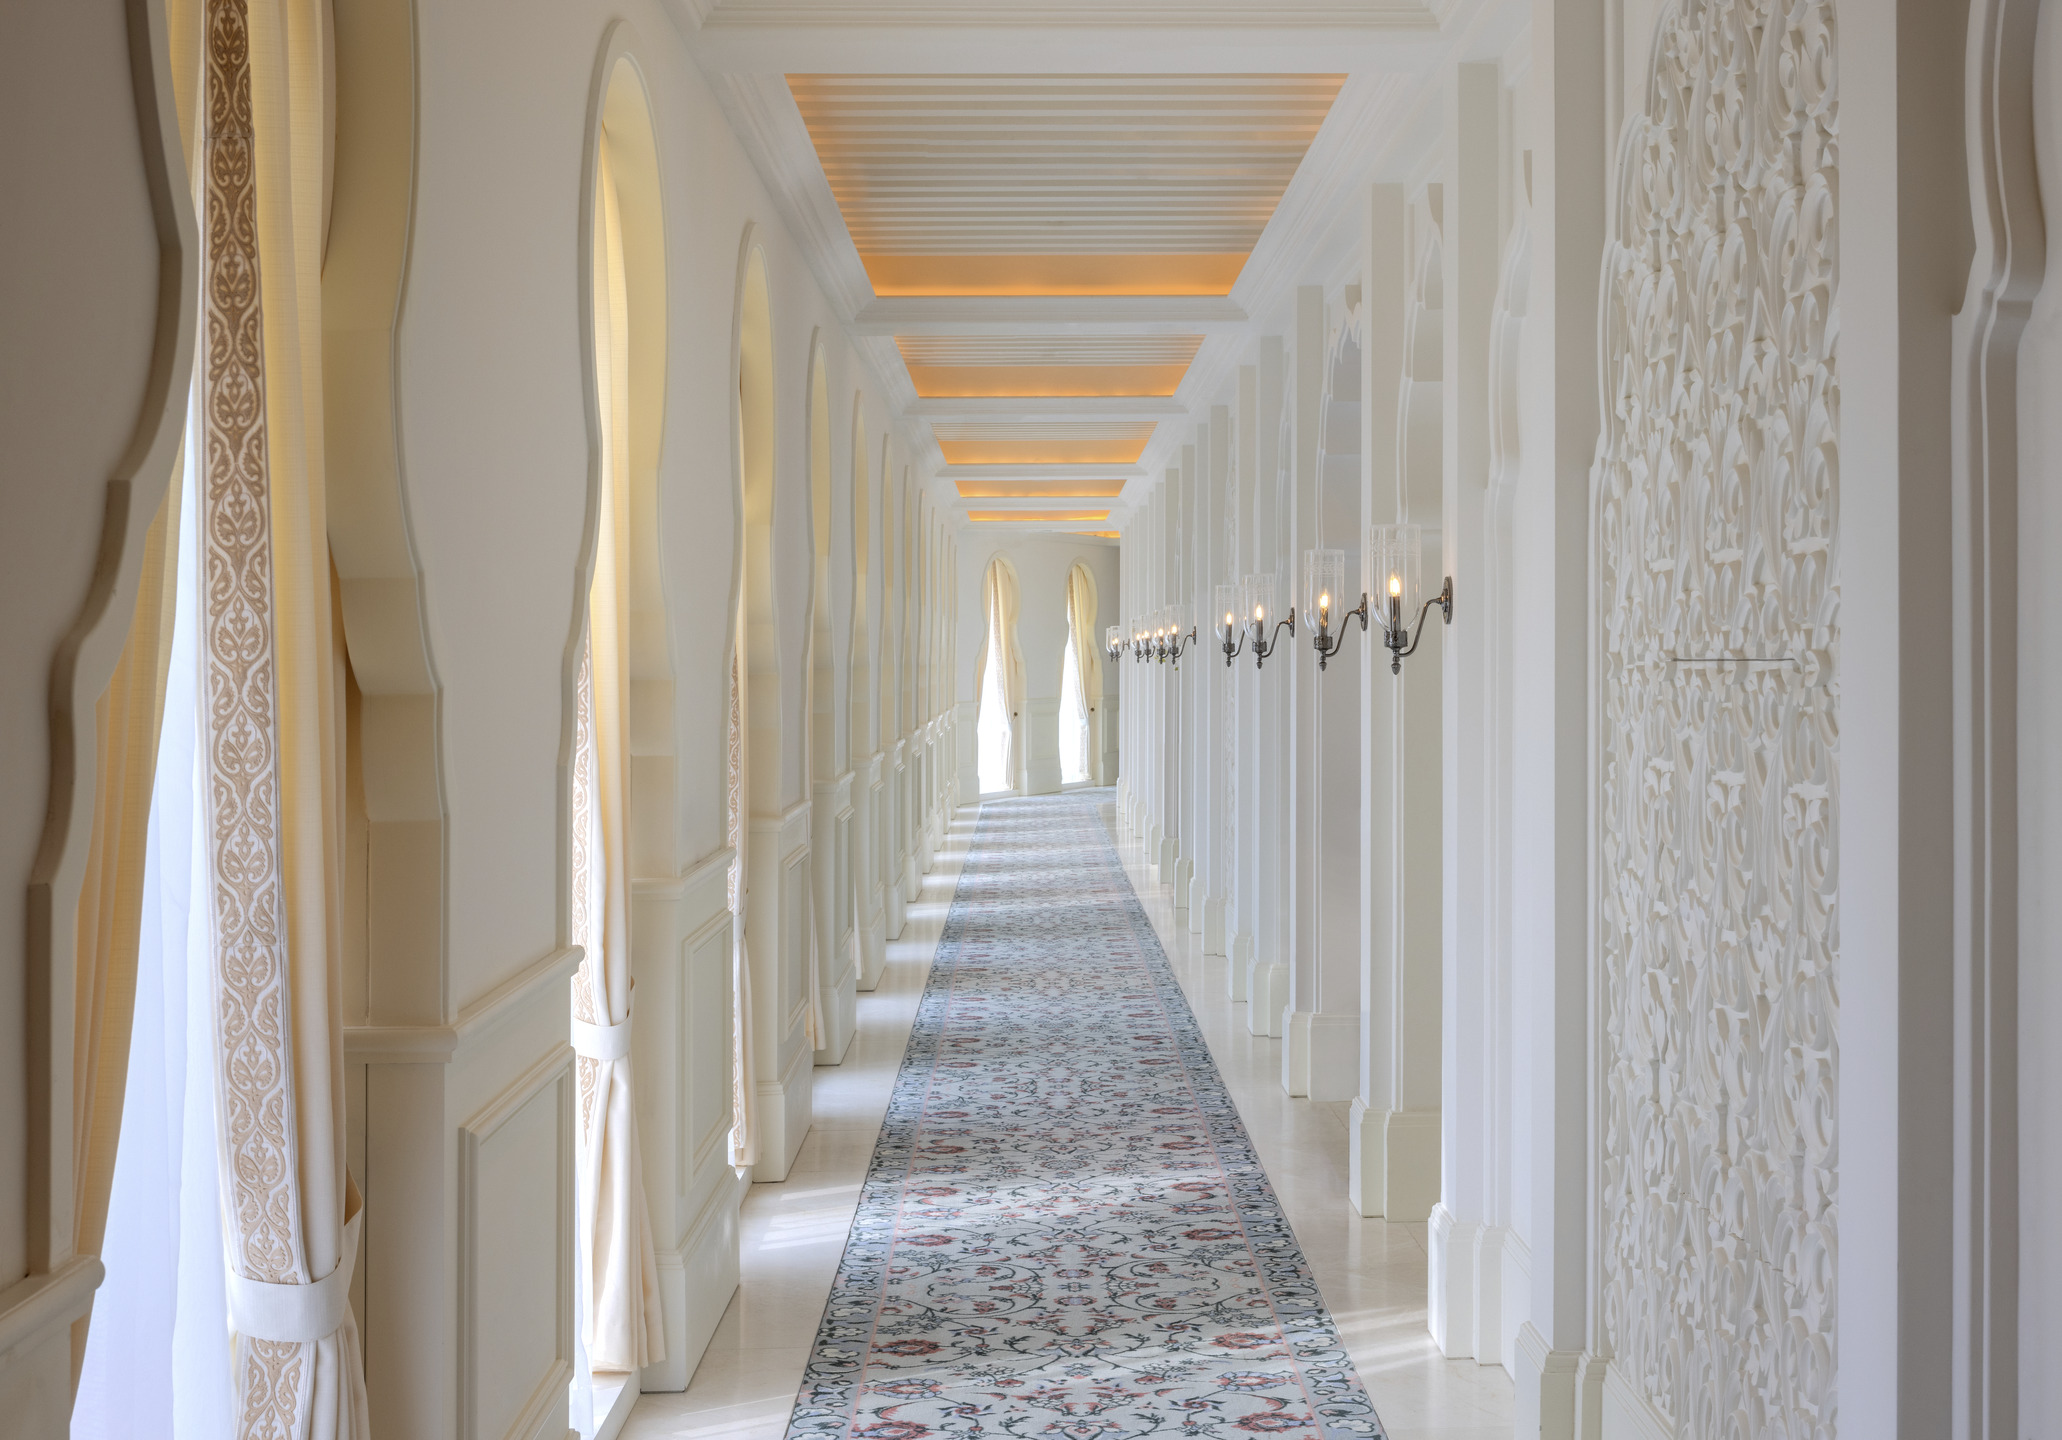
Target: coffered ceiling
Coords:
[[1051, 224]]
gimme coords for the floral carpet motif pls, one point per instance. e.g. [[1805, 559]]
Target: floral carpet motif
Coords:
[[1065, 1231]]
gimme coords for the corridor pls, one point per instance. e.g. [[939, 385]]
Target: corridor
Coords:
[[1091, 1209]]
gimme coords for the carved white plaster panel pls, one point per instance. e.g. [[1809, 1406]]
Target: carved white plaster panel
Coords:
[[1717, 515]]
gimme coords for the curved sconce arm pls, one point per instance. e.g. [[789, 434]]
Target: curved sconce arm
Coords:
[[1395, 638], [1180, 643], [1231, 651], [1327, 644], [1262, 651]]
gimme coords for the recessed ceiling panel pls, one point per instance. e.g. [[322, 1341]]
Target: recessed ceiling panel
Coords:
[[1059, 184], [1073, 442], [993, 367]]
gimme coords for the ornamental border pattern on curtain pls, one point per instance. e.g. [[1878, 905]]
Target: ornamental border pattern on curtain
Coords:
[[1717, 521], [240, 723]]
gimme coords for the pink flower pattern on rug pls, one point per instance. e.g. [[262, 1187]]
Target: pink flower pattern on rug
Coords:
[[1065, 1232]]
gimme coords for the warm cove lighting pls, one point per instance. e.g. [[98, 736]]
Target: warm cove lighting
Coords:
[[1042, 517], [989, 275], [1046, 382], [1025, 490], [1115, 450]]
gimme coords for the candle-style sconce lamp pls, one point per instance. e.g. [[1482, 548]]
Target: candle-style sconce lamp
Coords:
[[1324, 589], [1395, 560], [1113, 642], [1256, 604], [1177, 633], [1231, 631]]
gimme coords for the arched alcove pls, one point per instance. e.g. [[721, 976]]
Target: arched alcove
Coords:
[[621, 811], [1000, 737]]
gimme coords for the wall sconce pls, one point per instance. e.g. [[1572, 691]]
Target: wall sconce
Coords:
[[1324, 590], [1138, 639], [1231, 634], [1113, 642], [1394, 557], [1173, 622], [1256, 604]]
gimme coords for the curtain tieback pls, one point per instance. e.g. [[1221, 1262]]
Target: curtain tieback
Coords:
[[295, 1314], [601, 1042]]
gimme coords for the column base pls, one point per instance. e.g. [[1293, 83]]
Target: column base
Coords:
[[1267, 996], [1184, 881], [873, 942], [1296, 1052], [912, 879], [1468, 1289], [896, 908], [784, 1116], [695, 1285], [1213, 924], [1450, 1283], [1562, 1394], [841, 1020], [1393, 1170], [1334, 1052], [1238, 976]]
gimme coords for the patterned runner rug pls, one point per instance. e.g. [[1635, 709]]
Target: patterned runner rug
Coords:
[[1065, 1231]]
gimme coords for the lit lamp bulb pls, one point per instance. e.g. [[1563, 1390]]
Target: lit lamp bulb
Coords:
[[1324, 606]]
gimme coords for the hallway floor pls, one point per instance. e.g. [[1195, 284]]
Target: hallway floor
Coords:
[[1371, 1274]]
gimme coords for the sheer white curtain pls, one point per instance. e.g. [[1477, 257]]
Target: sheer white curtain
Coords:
[[157, 1358], [1073, 721]]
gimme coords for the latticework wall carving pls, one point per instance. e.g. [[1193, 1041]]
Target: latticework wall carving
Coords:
[[1717, 508]]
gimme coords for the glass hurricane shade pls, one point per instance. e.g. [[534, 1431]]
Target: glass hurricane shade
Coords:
[[1324, 587], [1395, 562], [1256, 604], [1113, 637], [1226, 607]]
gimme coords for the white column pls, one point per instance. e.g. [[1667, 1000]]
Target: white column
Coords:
[[1261, 402], [1298, 680], [1465, 1238], [1394, 1170]]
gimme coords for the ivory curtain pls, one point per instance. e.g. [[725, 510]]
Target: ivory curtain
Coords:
[[127, 721], [999, 596], [622, 1324], [271, 728], [1088, 656]]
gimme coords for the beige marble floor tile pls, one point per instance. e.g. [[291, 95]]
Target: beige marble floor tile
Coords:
[[1372, 1273]]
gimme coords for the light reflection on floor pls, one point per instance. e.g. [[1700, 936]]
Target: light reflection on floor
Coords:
[[1372, 1273]]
